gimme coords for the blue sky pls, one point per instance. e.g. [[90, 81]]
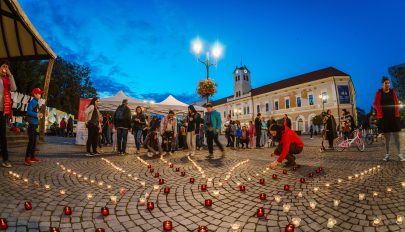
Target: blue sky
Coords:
[[143, 47]]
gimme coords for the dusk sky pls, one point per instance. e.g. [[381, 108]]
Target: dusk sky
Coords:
[[143, 47]]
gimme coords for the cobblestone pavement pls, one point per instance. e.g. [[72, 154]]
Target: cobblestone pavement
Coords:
[[124, 176]]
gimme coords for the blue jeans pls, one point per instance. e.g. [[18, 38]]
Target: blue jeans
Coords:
[[137, 137], [122, 134]]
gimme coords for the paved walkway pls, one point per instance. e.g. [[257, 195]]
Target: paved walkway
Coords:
[[124, 176]]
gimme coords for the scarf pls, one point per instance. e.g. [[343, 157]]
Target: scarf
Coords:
[[7, 96]]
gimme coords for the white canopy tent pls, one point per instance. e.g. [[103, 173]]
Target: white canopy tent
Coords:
[[111, 103], [171, 103]]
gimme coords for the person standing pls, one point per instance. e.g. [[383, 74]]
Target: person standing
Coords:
[[62, 127], [348, 124], [122, 124], [227, 126], [373, 122], [212, 127], [93, 126], [331, 128], [70, 127], [193, 129], [311, 131], [251, 131], [168, 131], [244, 139], [232, 133], [238, 134], [263, 136], [7, 85], [287, 121], [387, 106], [258, 129], [33, 116], [138, 123]]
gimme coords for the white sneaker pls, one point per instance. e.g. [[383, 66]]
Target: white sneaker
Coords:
[[150, 154], [137, 152], [401, 157], [192, 153], [387, 157]]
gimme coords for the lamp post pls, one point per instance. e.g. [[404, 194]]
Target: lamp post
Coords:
[[216, 52], [237, 112], [324, 98]]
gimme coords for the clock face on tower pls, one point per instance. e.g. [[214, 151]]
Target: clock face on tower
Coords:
[[245, 71], [237, 71]]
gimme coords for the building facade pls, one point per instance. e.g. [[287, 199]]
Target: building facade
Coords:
[[301, 97], [397, 74]]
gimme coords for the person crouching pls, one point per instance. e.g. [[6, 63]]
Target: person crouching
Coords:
[[152, 143], [289, 144], [33, 116]]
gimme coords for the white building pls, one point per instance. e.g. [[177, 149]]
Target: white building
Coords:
[[300, 97]]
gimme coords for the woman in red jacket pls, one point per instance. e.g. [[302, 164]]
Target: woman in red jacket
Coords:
[[387, 106], [289, 144]]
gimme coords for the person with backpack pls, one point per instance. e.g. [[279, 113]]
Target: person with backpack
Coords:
[[168, 131], [70, 127], [93, 126], [122, 124], [258, 129], [238, 134], [212, 127], [193, 128], [33, 119], [138, 123], [7, 85]]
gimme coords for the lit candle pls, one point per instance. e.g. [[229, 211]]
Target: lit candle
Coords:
[[105, 211], [122, 191], [166, 190], [277, 198], [316, 189], [89, 196], [400, 219], [100, 183], [403, 184], [378, 166], [336, 203], [142, 201], [356, 175], [349, 177], [375, 194], [339, 181], [242, 188], [215, 192], [192, 180], [249, 179], [92, 181], [202, 229], [62, 192], [331, 223], [208, 203], [376, 221], [167, 225], [203, 187], [219, 184], [143, 183], [260, 212], [161, 181], [109, 186], [25, 180], [156, 187], [209, 179], [69, 170], [67, 210], [312, 204], [113, 199], [327, 184], [389, 189], [296, 221], [261, 181], [47, 187], [79, 176], [150, 205], [74, 173], [235, 227], [85, 178], [299, 194], [286, 208], [362, 196], [262, 196]]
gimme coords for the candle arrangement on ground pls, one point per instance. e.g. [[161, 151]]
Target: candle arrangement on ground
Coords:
[[27, 205], [105, 211], [167, 225], [67, 210]]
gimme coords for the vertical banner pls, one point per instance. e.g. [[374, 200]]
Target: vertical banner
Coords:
[[84, 102], [344, 94], [81, 131]]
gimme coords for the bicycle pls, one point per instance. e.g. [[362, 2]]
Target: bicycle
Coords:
[[342, 144], [372, 136]]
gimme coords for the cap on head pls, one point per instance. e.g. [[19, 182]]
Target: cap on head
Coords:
[[37, 91]]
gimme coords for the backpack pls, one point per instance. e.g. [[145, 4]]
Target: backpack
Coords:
[[120, 114]]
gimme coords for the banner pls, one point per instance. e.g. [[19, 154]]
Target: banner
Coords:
[[344, 94], [84, 102]]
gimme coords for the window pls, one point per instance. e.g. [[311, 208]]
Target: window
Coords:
[[258, 108], [247, 78], [224, 114], [298, 101], [229, 112], [287, 103], [276, 105], [236, 78], [248, 110], [244, 110], [311, 99], [267, 107]]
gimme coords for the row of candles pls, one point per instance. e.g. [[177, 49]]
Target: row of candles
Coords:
[[129, 176]]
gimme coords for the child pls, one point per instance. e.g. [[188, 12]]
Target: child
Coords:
[[152, 143], [33, 116], [238, 134], [244, 139]]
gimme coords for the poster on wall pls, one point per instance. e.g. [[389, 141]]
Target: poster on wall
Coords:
[[344, 94]]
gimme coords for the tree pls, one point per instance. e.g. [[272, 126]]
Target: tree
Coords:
[[69, 82], [317, 120]]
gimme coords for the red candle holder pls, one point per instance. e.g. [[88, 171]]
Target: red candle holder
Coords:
[[203, 187], [286, 187], [166, 190], [177, 169], [192, 180], [3, 224], [311, 174], [67, 210], [183, 173], [274, 176], [262, 196], [167, 225], [260, 212], [161, 181], [171, 165], [150, 205], [289, 228], [100, 230], [54, 229], [317, 171], [105, 211], [202, 229], [302, 180], [320, 169], [208, 203], [157, 174], [149, 166], [285, 172], [242, 188], [27, 205], [261, 181]]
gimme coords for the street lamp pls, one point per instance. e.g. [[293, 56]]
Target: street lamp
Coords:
[[216, 52], [324, 98], [237, 112]]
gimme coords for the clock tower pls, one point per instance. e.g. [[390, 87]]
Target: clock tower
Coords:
[[241, 78]]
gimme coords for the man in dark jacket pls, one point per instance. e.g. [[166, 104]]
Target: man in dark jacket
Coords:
[[258, 129], [122, 123]]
